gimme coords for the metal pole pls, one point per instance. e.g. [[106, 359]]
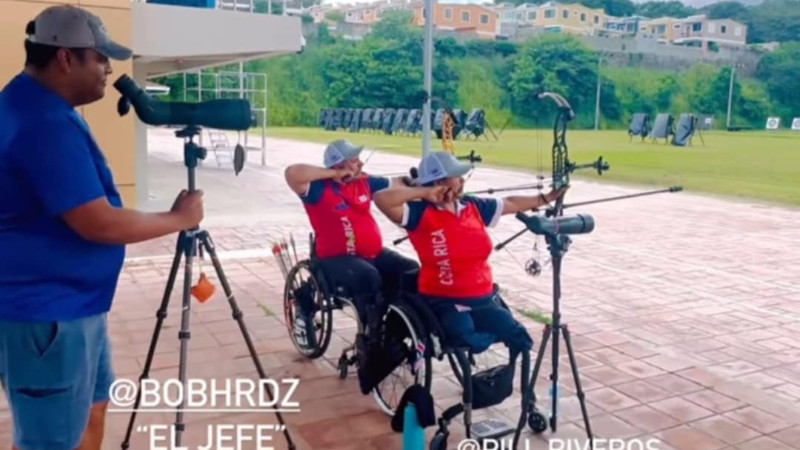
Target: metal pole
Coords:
[[241, 92], [264, 124], [597, 101], [428, 81], [730, 97]]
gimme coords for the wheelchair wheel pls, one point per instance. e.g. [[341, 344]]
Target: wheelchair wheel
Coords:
[[402, 329], [537, 421], [303, 284]]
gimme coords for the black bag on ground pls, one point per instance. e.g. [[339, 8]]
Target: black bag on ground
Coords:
[[490, 387]]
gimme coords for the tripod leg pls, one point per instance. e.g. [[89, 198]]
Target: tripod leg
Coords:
[[554, 377], [529, 389], [160, 316], [184, 334], [557, 246], [581, 395], [208, 244], [538, 364], [526, 392]]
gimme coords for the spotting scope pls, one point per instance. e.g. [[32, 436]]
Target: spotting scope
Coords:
[[220, 114], [578, 224]]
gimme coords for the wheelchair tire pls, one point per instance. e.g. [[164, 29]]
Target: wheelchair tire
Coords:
[[323, 314], [401, 316]]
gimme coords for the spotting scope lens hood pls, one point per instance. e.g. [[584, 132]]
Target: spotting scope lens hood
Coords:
[[222, 114]]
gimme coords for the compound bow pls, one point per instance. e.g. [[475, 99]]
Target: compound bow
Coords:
[[562, 167], [557, 233]]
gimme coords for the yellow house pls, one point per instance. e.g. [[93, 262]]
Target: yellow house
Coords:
[[166, 39], [481, 20], [571, 18]]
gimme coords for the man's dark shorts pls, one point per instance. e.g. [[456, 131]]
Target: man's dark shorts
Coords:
[[52, 374]]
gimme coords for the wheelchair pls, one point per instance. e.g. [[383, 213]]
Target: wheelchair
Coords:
[[306, 283], [411, 332], [481, 388]]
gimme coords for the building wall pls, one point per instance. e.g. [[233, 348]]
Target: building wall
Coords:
[[661, 28], [574, 18], [365, 15], [114, 134], [726, 30], [484, 21]]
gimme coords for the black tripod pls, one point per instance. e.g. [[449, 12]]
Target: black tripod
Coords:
[[558, 245], [556, 233], [189, 242]]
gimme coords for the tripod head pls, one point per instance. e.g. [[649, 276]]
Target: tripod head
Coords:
[[557, 230], [191, 151]]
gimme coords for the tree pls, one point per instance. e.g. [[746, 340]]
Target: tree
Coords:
[[396, 25], [775, 21], [727, 10], [779, 70], [618, 8], [557, 63], [671, 8]]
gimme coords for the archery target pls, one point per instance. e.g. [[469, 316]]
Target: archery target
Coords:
[[707, 123], [796, 124], [773, 123]]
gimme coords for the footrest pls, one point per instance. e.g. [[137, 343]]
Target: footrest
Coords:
[[491, 429]]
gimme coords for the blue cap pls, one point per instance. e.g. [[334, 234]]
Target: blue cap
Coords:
[[440, 165], [339, 151]]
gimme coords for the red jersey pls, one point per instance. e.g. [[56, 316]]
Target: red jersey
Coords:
[[453, 249], [341, 217]]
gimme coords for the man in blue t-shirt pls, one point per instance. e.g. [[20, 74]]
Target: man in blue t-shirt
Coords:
[[63, 231]]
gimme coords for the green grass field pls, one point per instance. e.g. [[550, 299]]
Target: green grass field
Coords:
[[761, 166]]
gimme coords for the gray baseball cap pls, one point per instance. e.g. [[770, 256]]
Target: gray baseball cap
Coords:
[[439, 165], [339, 151], [74, 27]]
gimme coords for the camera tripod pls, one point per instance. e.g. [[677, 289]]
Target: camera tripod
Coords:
[[558, 245], [188, 243], [556, 235]]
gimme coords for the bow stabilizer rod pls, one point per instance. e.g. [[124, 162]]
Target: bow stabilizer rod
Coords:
[[549, 211]]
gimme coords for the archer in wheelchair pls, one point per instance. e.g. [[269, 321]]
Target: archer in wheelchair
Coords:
[[349, 258], [448, 232], [456, 297]]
